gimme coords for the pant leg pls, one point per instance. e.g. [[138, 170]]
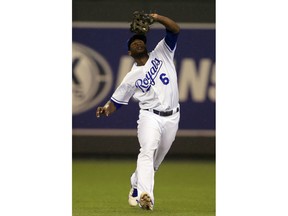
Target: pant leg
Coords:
[[169, 131], [133, 180], [149, 133]]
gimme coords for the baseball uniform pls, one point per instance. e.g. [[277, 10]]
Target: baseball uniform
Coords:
[[154, 86]]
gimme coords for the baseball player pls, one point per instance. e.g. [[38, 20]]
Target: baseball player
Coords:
[[153, 82]]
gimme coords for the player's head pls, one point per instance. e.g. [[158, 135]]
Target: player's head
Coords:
[[137, 45], [136, 37]]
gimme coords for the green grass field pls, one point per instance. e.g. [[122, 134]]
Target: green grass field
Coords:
[[181, 188]]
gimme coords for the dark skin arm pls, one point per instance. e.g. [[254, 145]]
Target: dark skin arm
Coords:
[[107, 110], [167, 22]]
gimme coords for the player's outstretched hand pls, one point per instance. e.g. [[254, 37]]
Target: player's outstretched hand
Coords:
[[107, 110], [100, 111]]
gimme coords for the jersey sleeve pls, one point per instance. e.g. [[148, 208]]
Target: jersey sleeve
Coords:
[[171, 39], [167, 45], [124, 92]]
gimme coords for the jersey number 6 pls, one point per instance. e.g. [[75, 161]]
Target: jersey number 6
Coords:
[[165, 80]]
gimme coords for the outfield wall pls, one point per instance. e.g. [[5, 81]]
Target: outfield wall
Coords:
[[99, 147], [100, 62]]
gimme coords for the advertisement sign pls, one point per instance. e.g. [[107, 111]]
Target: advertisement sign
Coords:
[[100, 62]]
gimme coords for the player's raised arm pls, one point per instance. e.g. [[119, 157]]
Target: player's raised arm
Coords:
[[167, 22], [107, 110]]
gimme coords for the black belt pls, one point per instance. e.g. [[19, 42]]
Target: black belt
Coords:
[[164, 113]]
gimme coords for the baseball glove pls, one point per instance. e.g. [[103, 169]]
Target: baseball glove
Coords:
[[141, 22]]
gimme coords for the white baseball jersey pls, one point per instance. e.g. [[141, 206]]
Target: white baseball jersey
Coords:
[[154, 84]]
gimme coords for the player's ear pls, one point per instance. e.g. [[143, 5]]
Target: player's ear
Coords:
[[129, 53]]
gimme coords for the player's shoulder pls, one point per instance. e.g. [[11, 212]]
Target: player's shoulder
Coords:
[[160, 46], [133, 72], [163, 49], [160, 43], [134, 67]]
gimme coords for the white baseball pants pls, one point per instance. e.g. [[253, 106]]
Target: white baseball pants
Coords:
[[156, 135]]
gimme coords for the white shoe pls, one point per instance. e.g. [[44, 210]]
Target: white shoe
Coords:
[[132, 197], [146, 201]]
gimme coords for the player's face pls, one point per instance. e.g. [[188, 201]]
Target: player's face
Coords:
[[137, 48]]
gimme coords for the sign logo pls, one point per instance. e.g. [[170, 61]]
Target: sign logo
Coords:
[[91, 78]]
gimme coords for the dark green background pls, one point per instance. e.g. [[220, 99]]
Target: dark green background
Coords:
[[199, 11]]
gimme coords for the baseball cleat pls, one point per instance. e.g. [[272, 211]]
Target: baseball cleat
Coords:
[[132, 198], [145, 201]]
